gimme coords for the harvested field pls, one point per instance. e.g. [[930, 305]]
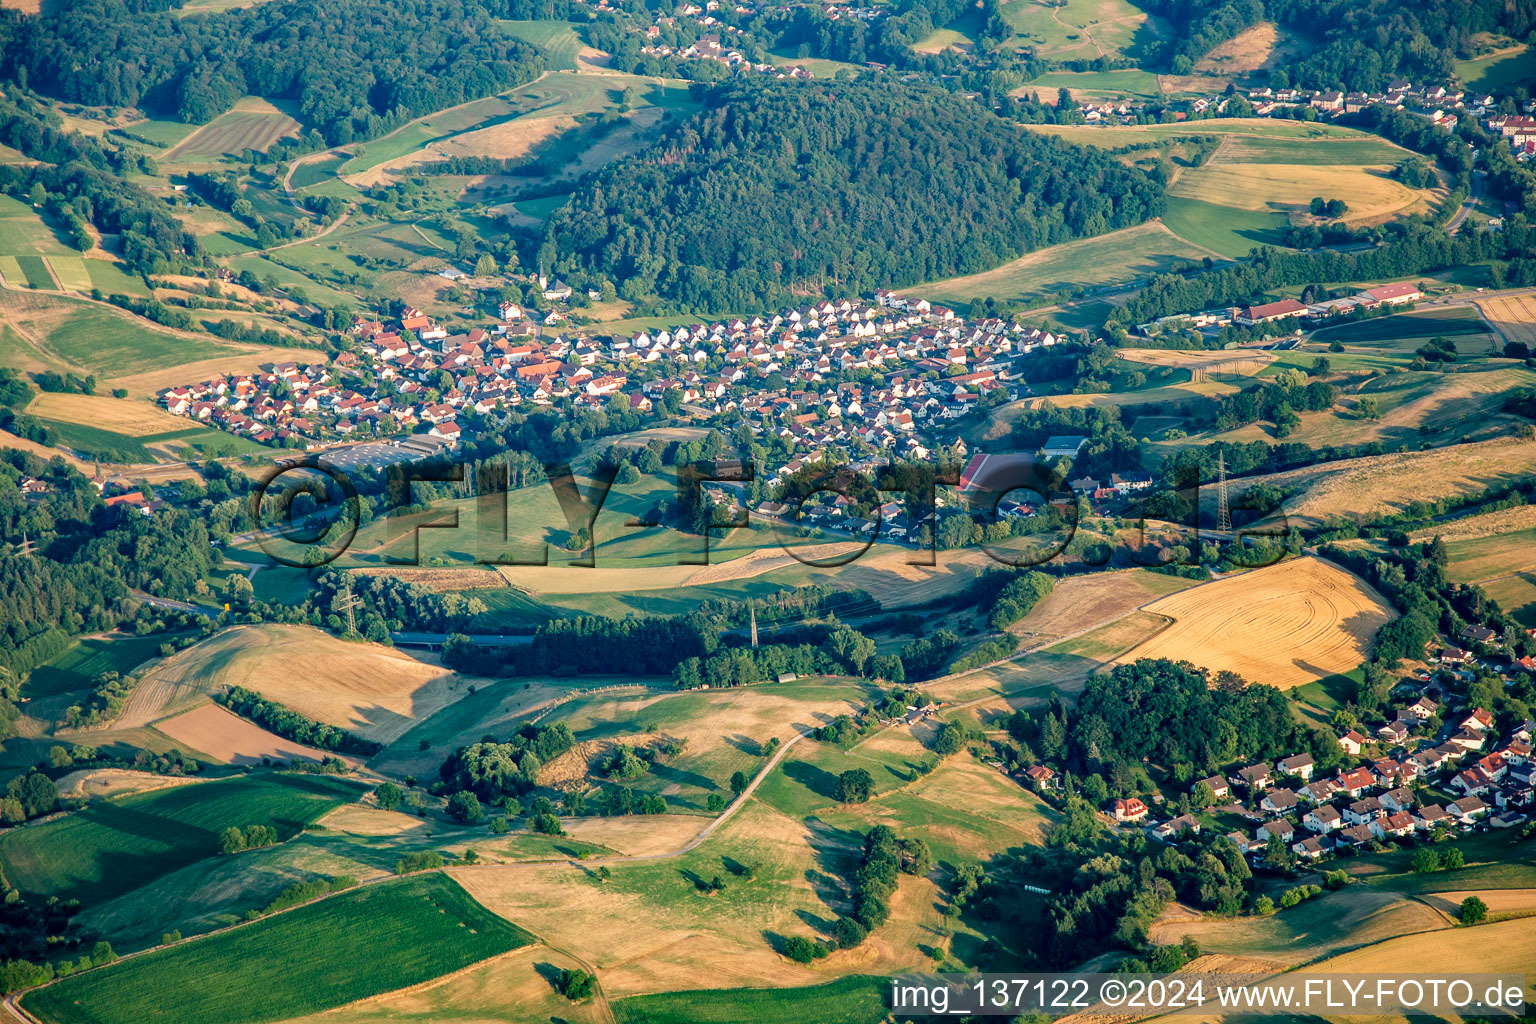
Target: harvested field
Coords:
[[1122, 255], [375, 691], [229, 738], [1080, 603], [635, 836], [251, 124], [102, 782], [1289, 188], [647, 928], [136, 419], [1489, 524], [508, 140], [149, 382], [1316, 928], [1499, 901], [1247, 51], [1513, 317], [1381, 484], [1283, 625], [1495, 948], [1245, 363]]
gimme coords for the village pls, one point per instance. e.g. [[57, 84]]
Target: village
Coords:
[[1438, 768], [891, 375]]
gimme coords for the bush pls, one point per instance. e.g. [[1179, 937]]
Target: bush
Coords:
[[854, 786], [546, 823], [464, 807], [577, 985], [389, 796], [803, 950], [848, 932], [424, 861]]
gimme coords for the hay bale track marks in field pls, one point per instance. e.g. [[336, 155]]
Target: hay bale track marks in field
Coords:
[[1283, 625]]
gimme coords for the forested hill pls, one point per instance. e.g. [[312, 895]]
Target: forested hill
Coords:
[[1364, 44], [357, 68], [781, 189]]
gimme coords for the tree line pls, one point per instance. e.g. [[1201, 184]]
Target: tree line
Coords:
[[289, 724]]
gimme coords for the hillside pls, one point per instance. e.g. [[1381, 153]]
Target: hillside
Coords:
[[781, 189]]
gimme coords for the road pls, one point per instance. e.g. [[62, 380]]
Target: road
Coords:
[[434, 640], [1454, 224]]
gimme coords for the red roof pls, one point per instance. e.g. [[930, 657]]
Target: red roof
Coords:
[[1393, 291], [1285, 307]]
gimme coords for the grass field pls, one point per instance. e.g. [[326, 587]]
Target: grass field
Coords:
[[1240, 128], [313, 172], [722, 730], [1119, 256], [95, 443], [164, 134], [87, 658], [851, 1000], [1076, 29], [1414, 407], [1407, 331], [251, 124], [1500, 71], [1096, 84], [100, 340], [557, 39], [338, 950], [35, 273], [113, 846], [1284, 625], [1222, 229], [70, 272]]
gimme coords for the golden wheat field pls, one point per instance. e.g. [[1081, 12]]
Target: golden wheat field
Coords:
[[1283, 625], [1513, 316], [369, 689], [227, 737], [1289, 188], [136, 419]]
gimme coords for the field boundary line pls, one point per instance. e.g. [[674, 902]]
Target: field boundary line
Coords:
[[58, 284]]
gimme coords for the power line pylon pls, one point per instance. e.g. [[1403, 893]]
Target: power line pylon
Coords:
[[25, 549], [348, 603], [1223, 511], [753, 609]]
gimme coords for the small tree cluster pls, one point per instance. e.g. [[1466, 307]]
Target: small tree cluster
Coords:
[[234, 840]]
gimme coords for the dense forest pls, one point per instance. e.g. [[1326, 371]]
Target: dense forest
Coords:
[[1365, 44], [86, 557], [355, 69], [786, 189]]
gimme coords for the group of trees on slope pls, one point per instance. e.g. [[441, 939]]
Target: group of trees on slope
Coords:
[[356, 69], [784, 189]]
